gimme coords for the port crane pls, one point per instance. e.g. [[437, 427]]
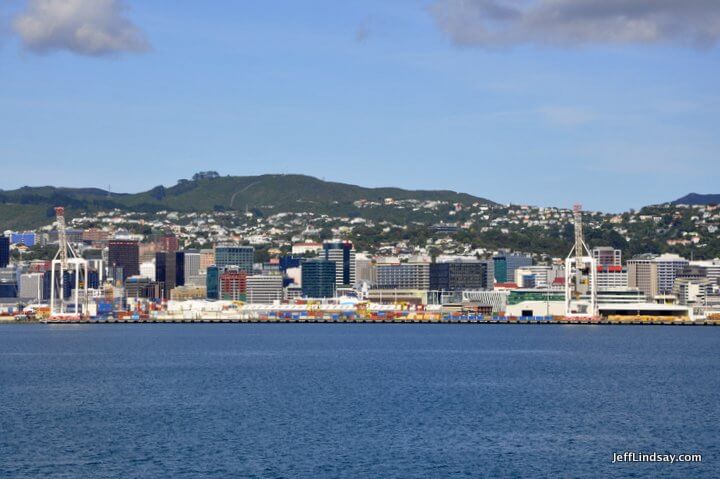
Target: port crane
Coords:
[[65, 263], [580, 275]]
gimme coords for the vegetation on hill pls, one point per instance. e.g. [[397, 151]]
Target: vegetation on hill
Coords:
[[210, 192]]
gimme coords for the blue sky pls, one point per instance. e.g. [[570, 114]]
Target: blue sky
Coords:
[[369, 92]]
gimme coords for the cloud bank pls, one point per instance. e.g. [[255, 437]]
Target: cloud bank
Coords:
[[85, 27], [571, 22]]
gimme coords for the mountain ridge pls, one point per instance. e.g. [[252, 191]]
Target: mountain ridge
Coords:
[[274, 192], [698, 199]]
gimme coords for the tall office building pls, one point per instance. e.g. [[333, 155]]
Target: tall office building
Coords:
[[264, 288], [168, 242], [668, 267], [343, 255], [192, 268], [403, 276], [459, 276], [124, 254], [505, 265], [179, 268], [233, 284], [607, 256], [166, 271], [4, 251], [31, 286], [611, 277], [207, 259], [319, 277], [235, 255], [643, 274], [212, 282]]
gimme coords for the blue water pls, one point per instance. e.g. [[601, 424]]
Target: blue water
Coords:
[[373, 401]]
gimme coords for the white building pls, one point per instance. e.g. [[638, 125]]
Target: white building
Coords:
[[147, 270], [264, 288], [31, 286]]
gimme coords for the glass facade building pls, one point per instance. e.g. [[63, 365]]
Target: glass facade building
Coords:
[[318, 278], [232, 255]]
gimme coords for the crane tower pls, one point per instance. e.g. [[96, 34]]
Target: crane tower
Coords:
[[580, 275], [66, 261]]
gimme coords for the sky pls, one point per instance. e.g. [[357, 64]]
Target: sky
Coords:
[[610, 103]]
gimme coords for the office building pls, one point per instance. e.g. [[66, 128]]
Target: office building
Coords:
[[124, 254], [607, 256], [343, 255], [179, 268], [4, 251], [505, 265], [459, 276], [166, 271], [611, 277], [233, 284], [192, 268], [147, 270], [31, 287], [403, 276], [212, 282], [668, 267], [235, 255], [692, 291], [319, 277], [138, 287], [711, 267], [264, 288], [643, 274], [207, 259]]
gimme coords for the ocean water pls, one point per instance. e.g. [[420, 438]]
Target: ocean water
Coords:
[[368, 401]]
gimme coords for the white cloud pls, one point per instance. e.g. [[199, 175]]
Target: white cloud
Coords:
[[571, 22], [85, 27]]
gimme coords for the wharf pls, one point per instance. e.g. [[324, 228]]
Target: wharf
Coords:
[[494, 320]]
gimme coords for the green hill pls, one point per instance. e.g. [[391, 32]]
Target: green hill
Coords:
[[29, 207]]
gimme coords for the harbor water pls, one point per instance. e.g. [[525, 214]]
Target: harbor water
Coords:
[[355, 400]]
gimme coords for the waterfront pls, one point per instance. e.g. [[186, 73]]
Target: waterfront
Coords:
[[355, 400]]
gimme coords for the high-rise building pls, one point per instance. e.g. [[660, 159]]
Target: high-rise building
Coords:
[[235, 255], [168, 242], [607, 256], [403, 276], [4, 251], [166, 271], [207, 259], [611, 277], [31, 287], [505, 265], [212, 282], [264, 288], [319, 278], [343, 255], [192, 268], [668, 267], [233, 284], [124, 254], [643, 274], [179, 268], [459, 276]]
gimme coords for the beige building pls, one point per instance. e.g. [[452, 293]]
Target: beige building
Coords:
[[642, 273]]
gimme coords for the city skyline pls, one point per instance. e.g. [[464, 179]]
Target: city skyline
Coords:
[[408, 95]]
